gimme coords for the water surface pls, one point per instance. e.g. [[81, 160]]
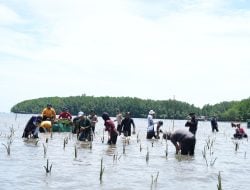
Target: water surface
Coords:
[[23, 168]]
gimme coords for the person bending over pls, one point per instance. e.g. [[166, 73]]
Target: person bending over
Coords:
[[183, 141]]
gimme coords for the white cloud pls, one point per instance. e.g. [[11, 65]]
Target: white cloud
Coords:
[[8, 16], [196, 50]]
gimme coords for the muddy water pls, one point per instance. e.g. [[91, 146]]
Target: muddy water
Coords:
[[24, 167]]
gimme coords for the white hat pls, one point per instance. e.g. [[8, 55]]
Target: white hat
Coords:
[[151, 112], [80, 114]]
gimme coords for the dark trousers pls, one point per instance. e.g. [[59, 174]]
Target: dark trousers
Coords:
[[119, 129], [215, 128], [112, 139], [188, 146], [127, 132], [85, 135], [150, 134]]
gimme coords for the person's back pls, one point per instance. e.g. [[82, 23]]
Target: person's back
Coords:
[[186, 141], [214, 124], [240, 132], [126, 124], [110, 127], [32, 127]]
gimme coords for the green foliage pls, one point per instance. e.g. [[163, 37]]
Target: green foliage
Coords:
[[168, 109], [165, 109]]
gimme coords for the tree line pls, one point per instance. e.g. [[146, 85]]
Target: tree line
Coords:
[[165, 109]]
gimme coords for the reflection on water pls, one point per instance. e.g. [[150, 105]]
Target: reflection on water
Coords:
[[125, 167]]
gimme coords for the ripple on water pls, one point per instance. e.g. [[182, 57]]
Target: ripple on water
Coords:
[[23, 169]]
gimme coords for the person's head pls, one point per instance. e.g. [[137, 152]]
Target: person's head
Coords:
[[105, 116], [80, 114], [192, 115], [92, 112], [160, 123], [167, 135], [127, 114], [39, 119], [151, 112], [49, 106]]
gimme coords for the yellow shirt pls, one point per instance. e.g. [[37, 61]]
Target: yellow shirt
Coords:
[[50, 113], [46, 124]]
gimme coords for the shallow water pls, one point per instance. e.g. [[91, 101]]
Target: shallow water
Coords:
[[23, 168]]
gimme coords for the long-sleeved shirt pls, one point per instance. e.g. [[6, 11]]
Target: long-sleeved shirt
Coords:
[[192, 125], [110, 127], [126, 124]]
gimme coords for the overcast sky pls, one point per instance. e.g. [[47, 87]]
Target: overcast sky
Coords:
[[197, 51]]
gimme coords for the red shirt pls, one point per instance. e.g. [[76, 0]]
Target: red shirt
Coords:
[[110, 127], [241, 130], [65, 115]]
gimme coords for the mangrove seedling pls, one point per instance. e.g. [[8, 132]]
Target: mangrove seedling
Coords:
[[7, 148], [44, 150], [75, 152], [65, 141], [147, 155], [204, 154], [115, 157], [102, 136], [137, 138], [219, 187], [156, 178], [213, 162], [166, 149], [236, 146], [124, 145], [90, 144], [101, 170], [47, 167], [154, 181]]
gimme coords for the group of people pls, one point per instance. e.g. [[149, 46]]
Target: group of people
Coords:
[[36, 123], [183, 140], [124, 126], [84, 126]]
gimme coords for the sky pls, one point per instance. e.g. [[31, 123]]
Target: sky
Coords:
[[196, 51]]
